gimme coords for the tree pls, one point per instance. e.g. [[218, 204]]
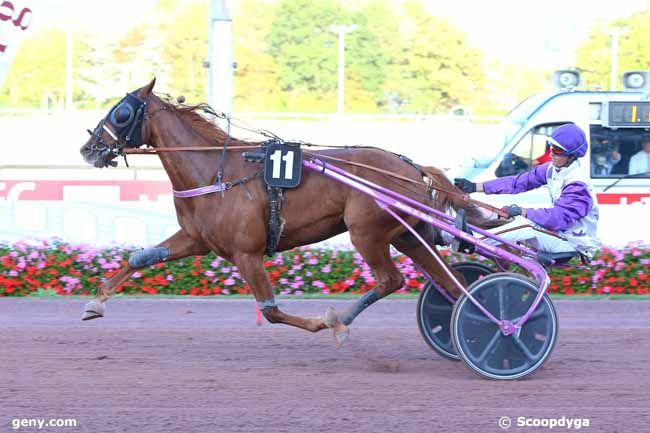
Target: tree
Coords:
[[435, 68], [593, 56], [37, 77], [256, 84], [508, 84], [183, 32], [305, 50], [367, 54]]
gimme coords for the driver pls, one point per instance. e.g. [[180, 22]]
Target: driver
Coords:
[[574, 214]]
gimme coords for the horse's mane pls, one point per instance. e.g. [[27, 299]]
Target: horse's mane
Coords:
[[202, 126]]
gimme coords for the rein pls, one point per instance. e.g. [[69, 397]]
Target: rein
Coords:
[[464, 197], [153, 150]]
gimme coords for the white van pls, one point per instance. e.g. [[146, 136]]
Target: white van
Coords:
[[614, 122]]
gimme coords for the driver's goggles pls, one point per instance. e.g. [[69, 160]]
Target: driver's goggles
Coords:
[[557, 151]]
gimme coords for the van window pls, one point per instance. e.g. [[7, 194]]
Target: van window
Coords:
[[612, 150], [523, 155]]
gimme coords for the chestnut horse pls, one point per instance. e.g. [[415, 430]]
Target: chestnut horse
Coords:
[[233, 224]]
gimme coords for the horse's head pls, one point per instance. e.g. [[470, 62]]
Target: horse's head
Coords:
[[123, 127]]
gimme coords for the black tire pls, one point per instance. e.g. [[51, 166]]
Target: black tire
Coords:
[[434, 310], [481, 344]]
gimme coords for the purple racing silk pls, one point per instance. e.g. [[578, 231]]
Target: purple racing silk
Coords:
[[573, 203], [531, 179]]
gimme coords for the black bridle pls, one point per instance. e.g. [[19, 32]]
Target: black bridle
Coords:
[[123, 124]]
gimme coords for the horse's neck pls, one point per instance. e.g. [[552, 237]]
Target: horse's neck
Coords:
[[186, 169]]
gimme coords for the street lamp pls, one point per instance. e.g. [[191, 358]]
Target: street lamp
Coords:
[[341, 30], [615, 33]]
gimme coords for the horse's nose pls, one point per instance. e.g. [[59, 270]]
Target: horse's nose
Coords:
[[87, 154]]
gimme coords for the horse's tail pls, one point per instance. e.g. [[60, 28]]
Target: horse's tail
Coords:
[[447, 196]]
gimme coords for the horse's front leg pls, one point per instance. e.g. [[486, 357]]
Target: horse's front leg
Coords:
[[252, 270], [179, 245]]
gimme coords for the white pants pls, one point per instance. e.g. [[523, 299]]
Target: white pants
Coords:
[[539, 241]]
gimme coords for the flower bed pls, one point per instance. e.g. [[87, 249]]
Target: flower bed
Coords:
[[38, 268]]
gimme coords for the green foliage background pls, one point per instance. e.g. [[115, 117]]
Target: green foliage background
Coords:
[[400, 59]]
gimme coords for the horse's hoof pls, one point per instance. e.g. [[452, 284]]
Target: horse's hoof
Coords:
[[331, 317], [93, 310], [341, 334]]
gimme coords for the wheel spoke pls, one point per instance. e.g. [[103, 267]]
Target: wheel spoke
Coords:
[[539, 313], [489, 347], [502, 302], [478, 318], [437, 307], [520, 344]]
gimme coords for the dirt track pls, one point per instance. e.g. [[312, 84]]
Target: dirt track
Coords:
[[203, 366]]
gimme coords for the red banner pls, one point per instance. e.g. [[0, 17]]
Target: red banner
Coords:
[[622, 198]]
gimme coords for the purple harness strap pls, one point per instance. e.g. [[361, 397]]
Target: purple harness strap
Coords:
[[203, 190]]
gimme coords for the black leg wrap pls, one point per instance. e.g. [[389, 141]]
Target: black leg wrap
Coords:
[[364, 302], [148, 257], [269, 309]]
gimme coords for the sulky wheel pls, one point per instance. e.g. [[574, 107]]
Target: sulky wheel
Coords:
[[434, 310], [480, 342]]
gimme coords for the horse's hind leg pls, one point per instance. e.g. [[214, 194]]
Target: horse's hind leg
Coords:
[[422, 257], [177, 246], [251, 268], [388, 279]]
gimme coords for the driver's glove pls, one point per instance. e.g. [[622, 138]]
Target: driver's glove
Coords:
[[513, 210], [465, 185]]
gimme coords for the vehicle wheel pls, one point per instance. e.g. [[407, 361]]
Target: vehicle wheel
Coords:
[[480, 342], [434, 310]]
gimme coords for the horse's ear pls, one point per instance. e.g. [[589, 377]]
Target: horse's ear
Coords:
[[146, 90]]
